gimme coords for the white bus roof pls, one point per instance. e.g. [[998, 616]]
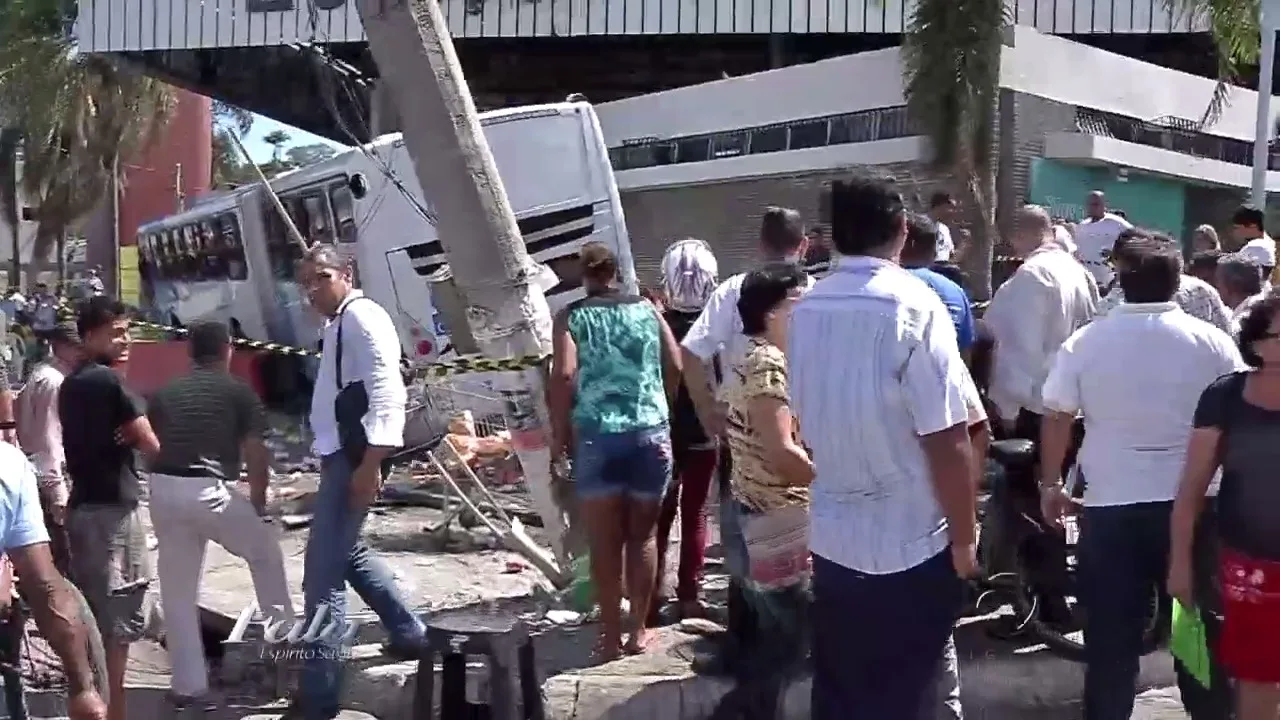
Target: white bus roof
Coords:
[[220, 203], [312, 173]]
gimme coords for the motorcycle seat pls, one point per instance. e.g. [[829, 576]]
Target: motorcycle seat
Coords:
[[1013, 455]]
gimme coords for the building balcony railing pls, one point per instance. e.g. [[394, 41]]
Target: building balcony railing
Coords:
[[1171, 133]]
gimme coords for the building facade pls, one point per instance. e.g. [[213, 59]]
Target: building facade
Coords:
[[704, 161]]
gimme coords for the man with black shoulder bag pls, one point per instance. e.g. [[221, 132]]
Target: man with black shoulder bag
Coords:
[[357, 416]]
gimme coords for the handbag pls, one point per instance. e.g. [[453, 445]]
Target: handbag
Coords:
[[777, 547], [349, 408]]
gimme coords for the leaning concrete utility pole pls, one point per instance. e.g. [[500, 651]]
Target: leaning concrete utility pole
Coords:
[[506, 310]]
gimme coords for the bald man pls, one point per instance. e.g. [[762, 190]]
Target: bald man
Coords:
[[1049, 297], [1096, 236], [1034, 312]]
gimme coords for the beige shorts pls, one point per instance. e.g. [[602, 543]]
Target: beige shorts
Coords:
[[111, 565]]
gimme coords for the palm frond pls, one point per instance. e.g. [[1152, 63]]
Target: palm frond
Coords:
[[951, 73], [1233, 25], [77, 113]]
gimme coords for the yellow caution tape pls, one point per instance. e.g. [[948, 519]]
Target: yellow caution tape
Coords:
[[460, 366]]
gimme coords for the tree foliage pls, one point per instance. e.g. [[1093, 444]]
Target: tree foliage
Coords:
[[79, 115], [1233, 25], [951, 69]]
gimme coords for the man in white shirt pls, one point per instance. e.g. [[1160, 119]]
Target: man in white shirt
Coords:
[[1136, 377], [879, 389], [718, 329], [942, 209], [1196, 297], [1248, 226], [40, 432], [1032, 313], [1096, 235], [717, 332], [357, 416]]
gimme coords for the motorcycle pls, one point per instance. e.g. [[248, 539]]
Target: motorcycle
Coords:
[[1033, 567]]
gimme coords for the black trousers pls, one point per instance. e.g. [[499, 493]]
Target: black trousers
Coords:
[[1046, 550]]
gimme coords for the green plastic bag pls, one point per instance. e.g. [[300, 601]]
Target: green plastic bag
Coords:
[[581, 594], [1188, 644]]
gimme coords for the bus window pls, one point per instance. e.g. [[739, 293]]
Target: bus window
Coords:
[[320, 228], [569, 270], [344, 211], [191, 251], [232, 248], [213, 265], [167, 255], [278, 241]]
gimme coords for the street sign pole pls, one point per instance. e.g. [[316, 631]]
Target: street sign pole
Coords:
[[1268, 16]]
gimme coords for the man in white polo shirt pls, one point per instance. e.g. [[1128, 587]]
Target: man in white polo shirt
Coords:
[[1096, 235], [1136, 376]]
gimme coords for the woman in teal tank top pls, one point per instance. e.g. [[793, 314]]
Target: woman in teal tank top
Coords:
[[615, 368]]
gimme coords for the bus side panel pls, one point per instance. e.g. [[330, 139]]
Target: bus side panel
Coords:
[[602, 179]]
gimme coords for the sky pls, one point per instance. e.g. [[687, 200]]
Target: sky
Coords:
[[262, 126]]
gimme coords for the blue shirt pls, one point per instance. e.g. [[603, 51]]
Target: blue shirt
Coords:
[[21, 520], [956, 302]]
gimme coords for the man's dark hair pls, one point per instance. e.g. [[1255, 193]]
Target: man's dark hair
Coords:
[[952, 272], [1151, 271], [1249, 216], [939, 199], [1206, 260], [781, 230], [762, 291], [866, 215], [98, 312], [1125, 241], [64, 333], [1256, 325], [922, 240], [207, 340]]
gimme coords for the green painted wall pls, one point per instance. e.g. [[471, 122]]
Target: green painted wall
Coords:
[[1147, 201]]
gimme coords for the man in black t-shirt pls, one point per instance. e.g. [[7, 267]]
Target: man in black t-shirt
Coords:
[[104, 429]]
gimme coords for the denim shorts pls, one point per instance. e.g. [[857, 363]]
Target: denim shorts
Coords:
[[634, 464]]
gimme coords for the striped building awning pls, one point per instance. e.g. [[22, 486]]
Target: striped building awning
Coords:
[[142, 25]]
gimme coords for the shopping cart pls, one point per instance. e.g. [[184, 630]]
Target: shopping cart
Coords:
[[458, 427]]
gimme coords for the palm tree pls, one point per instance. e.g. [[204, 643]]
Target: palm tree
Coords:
[[951, 72], [79, 115], [10, 141], [277, 139]]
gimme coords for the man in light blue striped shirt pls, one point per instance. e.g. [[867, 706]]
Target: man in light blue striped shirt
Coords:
[[879, 388]]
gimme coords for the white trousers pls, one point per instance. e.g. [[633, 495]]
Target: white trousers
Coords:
[[186, 514]]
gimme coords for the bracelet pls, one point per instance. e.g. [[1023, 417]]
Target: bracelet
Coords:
[[1056, 484], [8, 425]]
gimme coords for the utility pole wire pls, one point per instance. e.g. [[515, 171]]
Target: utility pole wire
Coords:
[[294, 234]]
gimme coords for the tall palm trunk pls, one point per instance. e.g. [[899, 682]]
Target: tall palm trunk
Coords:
[[9, 142]]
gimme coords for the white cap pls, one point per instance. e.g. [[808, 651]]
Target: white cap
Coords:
[[1261, 252], [689, 274]]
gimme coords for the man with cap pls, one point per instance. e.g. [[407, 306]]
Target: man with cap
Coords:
[[207, 422], [40, 431]]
